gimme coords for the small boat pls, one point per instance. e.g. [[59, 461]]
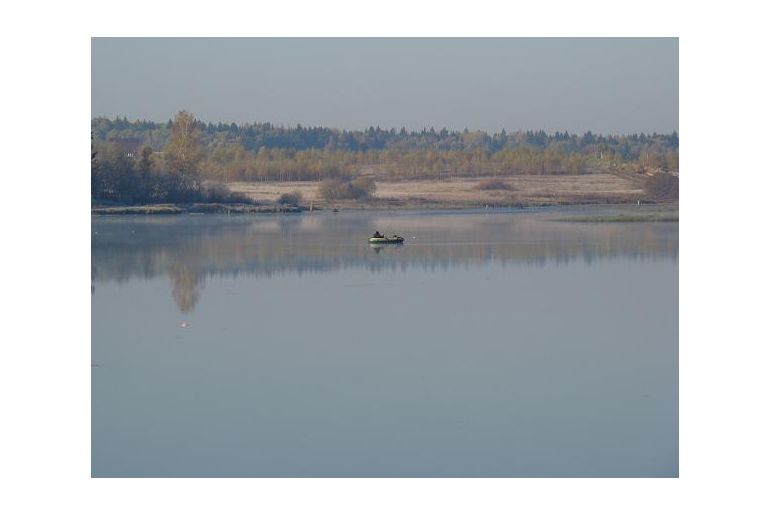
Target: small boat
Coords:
[[386, 240]]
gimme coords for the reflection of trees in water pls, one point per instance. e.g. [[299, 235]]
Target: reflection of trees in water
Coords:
[[188, 249], [289, 223], [186, 286]]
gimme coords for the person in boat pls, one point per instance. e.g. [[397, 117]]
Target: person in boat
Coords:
[[378, 235]]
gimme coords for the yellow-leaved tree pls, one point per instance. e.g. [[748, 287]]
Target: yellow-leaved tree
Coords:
[[183, 151]]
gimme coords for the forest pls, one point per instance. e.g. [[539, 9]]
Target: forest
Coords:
[[143, 161]]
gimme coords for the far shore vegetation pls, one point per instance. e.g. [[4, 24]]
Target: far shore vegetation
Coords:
[[623, 217], [186, 162]]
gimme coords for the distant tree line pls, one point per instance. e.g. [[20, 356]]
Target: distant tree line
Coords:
[[270, 152], [255, 136], [180, 161]]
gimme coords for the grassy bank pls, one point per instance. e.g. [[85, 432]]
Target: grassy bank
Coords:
[[178, 209], [478, 192], [624, 217], [447, 194]]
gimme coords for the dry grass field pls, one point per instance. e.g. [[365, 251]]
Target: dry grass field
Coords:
[[465, 192]]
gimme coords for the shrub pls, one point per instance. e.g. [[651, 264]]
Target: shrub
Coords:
[[363, 187], [217, 192], [359, 188], [332, 189], [662, 186], [493, 184], [293, 199]]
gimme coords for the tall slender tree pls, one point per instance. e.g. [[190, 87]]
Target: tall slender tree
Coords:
[[183, 150]]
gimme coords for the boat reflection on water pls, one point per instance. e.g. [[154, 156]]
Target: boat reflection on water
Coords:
[[377, 248]]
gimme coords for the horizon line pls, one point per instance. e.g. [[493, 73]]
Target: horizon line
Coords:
[[387, 129]]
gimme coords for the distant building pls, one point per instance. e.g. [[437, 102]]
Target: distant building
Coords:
[[132, 147]]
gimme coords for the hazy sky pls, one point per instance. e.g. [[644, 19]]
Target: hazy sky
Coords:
[[602, 85]]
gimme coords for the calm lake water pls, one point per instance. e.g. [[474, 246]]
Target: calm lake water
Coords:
[[497, 343]]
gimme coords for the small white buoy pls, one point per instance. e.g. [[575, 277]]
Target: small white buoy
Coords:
[[185, 324]]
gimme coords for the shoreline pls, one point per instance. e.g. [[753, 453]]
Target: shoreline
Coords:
[[255, 209], [194, 208]]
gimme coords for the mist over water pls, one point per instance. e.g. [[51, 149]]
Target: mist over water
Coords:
[[500, 343]]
